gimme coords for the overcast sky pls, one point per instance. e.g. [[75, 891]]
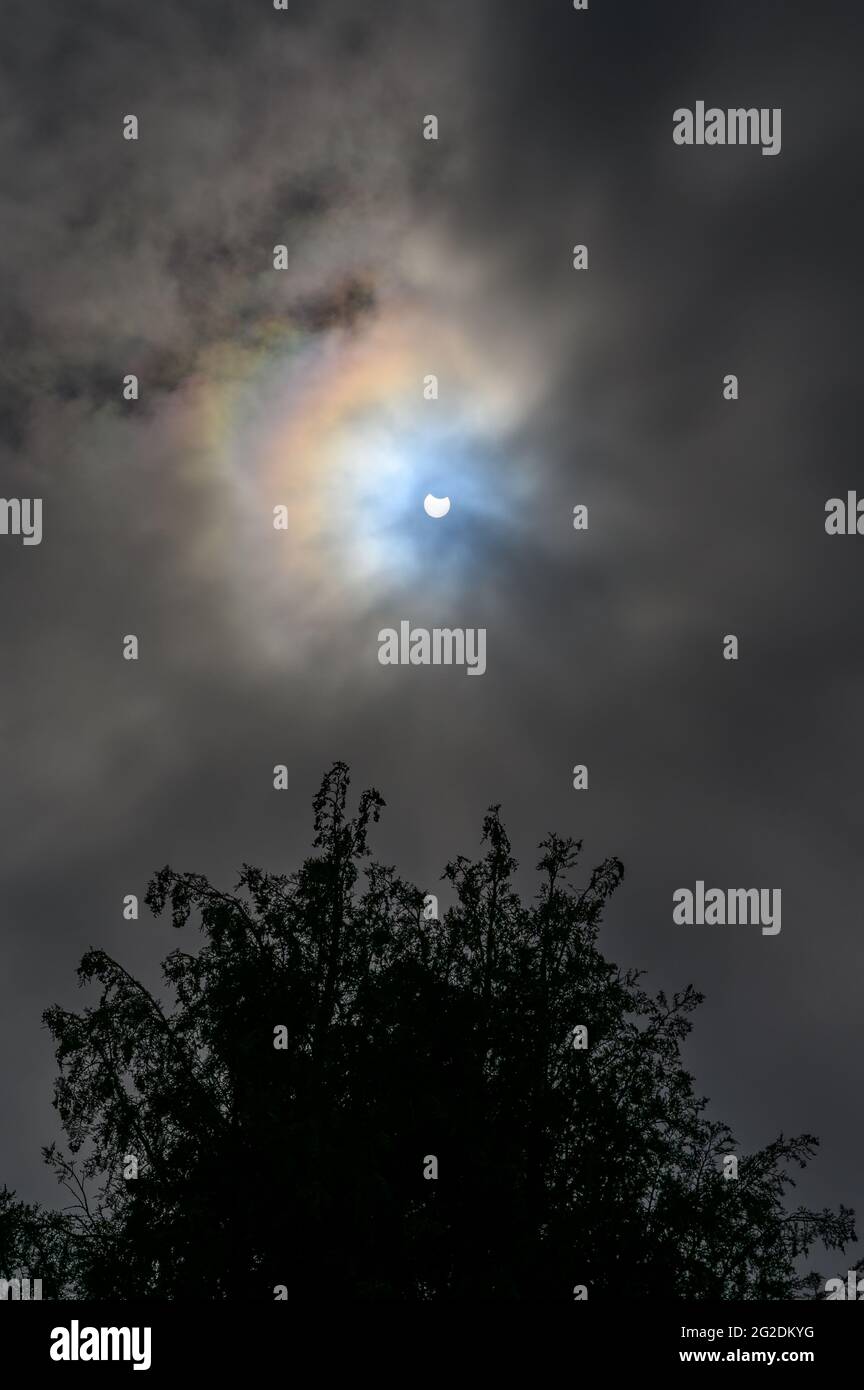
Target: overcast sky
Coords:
[[557, 387]]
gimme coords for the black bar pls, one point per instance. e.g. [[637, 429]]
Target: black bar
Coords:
[[247, 1338]]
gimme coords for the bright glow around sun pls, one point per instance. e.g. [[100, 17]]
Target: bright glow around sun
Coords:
[[344, 433]]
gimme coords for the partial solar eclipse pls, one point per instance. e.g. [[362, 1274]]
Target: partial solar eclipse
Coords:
[[436, 506]]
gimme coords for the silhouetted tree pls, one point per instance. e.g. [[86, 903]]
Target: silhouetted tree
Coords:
[[304, 1166]]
